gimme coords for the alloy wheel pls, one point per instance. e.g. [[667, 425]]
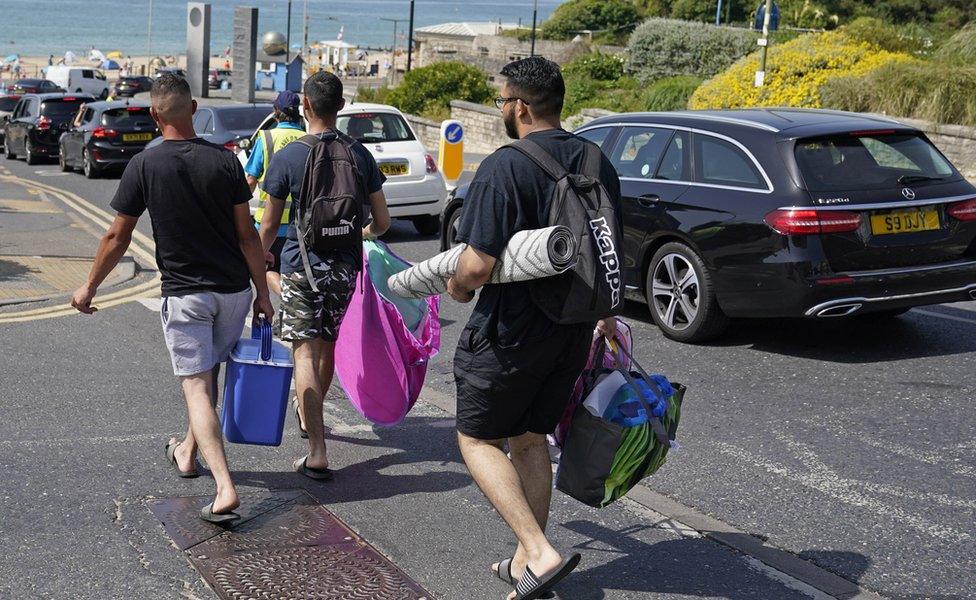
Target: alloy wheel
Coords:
[[675, 291]]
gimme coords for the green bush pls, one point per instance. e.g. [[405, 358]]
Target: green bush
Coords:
[[704, 10], [596, 65], [960, 49], [671, 93], [939, 92], [806, 14], [608, 19], [885, 36], [428, 91], [378, 95], [669, 47]]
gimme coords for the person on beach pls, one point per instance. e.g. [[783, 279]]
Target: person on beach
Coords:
[[514, 367], [208, 253], [311, 314], [269, 143]]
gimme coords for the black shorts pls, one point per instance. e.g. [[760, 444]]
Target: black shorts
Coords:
[[506, 392], [276, 247]]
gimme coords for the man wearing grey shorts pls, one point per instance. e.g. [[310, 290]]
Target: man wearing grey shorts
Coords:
[[207, 252]]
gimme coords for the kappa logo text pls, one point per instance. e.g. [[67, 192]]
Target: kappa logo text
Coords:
[[608, 256]]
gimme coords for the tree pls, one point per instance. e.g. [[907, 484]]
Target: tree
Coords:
[[608, 19], [428, 91]]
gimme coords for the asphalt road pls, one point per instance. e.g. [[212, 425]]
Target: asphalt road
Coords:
[[849, 444]]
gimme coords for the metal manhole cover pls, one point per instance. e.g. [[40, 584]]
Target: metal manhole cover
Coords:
[[327, 572], [181, 516]]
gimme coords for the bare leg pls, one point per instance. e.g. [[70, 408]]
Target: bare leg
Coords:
[[496, 476], [308, 381], [274, 282], [186, 452], [530, 457], [206, 431]]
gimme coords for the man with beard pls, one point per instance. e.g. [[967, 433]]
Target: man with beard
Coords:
[[515, 367]]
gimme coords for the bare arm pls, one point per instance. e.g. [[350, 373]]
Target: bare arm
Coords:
[[250, 245], [474, 270], [110, 250], [252, 182], [273, 209], [381, 216]]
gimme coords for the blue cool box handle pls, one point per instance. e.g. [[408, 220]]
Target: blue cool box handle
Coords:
[[263, 333]]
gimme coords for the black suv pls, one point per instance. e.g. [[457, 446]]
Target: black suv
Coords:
[[106, 134], [37, 123], [129, 86], [782, 213]]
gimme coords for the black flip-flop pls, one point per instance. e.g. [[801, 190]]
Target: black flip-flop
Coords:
[[171, 457], [504, 573], [298, 417], [316, 474], [207, 514], [531, 586]]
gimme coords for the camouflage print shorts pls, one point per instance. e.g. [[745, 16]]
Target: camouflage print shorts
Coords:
[[307, 314]]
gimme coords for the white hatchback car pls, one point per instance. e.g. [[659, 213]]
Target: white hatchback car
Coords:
[[414, 187]]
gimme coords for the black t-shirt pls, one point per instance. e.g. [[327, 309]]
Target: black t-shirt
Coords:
[[508, 194], [284, 176], [190, 188]]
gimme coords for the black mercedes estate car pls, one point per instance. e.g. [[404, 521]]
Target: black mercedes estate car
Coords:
[[782, 213]]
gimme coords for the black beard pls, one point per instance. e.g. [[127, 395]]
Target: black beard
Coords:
[[510, 128]]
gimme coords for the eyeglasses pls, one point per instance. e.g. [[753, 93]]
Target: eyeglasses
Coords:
[[501, 102]]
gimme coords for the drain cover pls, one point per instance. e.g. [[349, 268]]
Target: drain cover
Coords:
[[286, 546]]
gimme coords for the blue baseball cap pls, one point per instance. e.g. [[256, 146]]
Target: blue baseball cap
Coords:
[[287, 99]]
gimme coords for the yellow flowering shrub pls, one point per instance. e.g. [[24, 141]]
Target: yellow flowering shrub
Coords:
[[795, 72]]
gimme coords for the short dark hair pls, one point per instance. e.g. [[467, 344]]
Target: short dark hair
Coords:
[[289, 115], [171, 96], [538, 82], [324, 93]]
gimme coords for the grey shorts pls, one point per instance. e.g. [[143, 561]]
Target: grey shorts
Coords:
[[202, 329]]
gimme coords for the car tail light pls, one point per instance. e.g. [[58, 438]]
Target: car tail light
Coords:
[[69, 98], [103, 132], [841, 280], [812, 222], [431, 164], [44, 123], [964, 211], [134, 108], [232, 146]]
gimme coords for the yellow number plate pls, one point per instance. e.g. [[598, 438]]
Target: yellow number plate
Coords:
[[136, 137], [909, 221], [393, 168]]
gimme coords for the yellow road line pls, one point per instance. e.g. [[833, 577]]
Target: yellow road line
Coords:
[[141, 245]]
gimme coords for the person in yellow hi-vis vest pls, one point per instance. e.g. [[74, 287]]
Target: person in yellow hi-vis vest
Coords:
[[289, 129]]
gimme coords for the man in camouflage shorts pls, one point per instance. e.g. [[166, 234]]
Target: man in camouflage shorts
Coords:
[[310, 319]]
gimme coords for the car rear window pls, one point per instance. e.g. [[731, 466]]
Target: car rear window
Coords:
[[869, 160], [60, 108], [372, 128], [242, 118], [8, 103], [128, 117]]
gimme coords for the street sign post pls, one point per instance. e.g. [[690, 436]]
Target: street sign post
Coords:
[[450, 157]]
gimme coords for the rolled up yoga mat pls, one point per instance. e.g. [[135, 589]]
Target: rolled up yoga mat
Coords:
[[531, 254]]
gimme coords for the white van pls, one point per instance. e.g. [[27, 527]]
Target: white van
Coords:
[[79, 80]]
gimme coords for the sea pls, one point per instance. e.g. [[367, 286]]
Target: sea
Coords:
[[43, 27]]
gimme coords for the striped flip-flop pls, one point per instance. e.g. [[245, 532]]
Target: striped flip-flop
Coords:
[[532, 586]]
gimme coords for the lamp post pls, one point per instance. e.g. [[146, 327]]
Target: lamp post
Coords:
[[305, 24], [288, 35], [149, 42], [764, 42], [393, 48], [535, 13], [410, 40], [718, 13]]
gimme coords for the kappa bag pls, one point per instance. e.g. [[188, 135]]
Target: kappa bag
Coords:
[[330, 216], [604, 456], [593, 289]]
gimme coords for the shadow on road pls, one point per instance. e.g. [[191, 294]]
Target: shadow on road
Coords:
[[365, 481], [11, 270]]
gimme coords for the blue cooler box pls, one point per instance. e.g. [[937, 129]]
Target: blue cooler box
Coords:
[[256, 390]]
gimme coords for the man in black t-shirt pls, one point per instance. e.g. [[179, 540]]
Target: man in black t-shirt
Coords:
[[310, 318], [515, 368], [207, 252]]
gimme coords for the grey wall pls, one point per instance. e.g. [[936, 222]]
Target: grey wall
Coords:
[[244, 52], [198, 48]]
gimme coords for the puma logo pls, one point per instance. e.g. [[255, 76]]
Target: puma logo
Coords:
[[344, 228]]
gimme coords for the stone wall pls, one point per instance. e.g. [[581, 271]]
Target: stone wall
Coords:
[[428, 131], [483, 128], [955, 141]]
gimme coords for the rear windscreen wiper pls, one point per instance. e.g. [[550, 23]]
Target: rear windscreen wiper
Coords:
[[906, 179]]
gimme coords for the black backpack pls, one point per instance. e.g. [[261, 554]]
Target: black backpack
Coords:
[[593, 289], [330, 214]]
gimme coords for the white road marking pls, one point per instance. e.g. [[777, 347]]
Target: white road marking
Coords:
[[52, 173], [842, 490], [938, 315]]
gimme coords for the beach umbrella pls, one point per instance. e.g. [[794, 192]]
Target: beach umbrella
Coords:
[[96, 56], [114, 54], [69, 57], [12, 58], [110, 65]]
